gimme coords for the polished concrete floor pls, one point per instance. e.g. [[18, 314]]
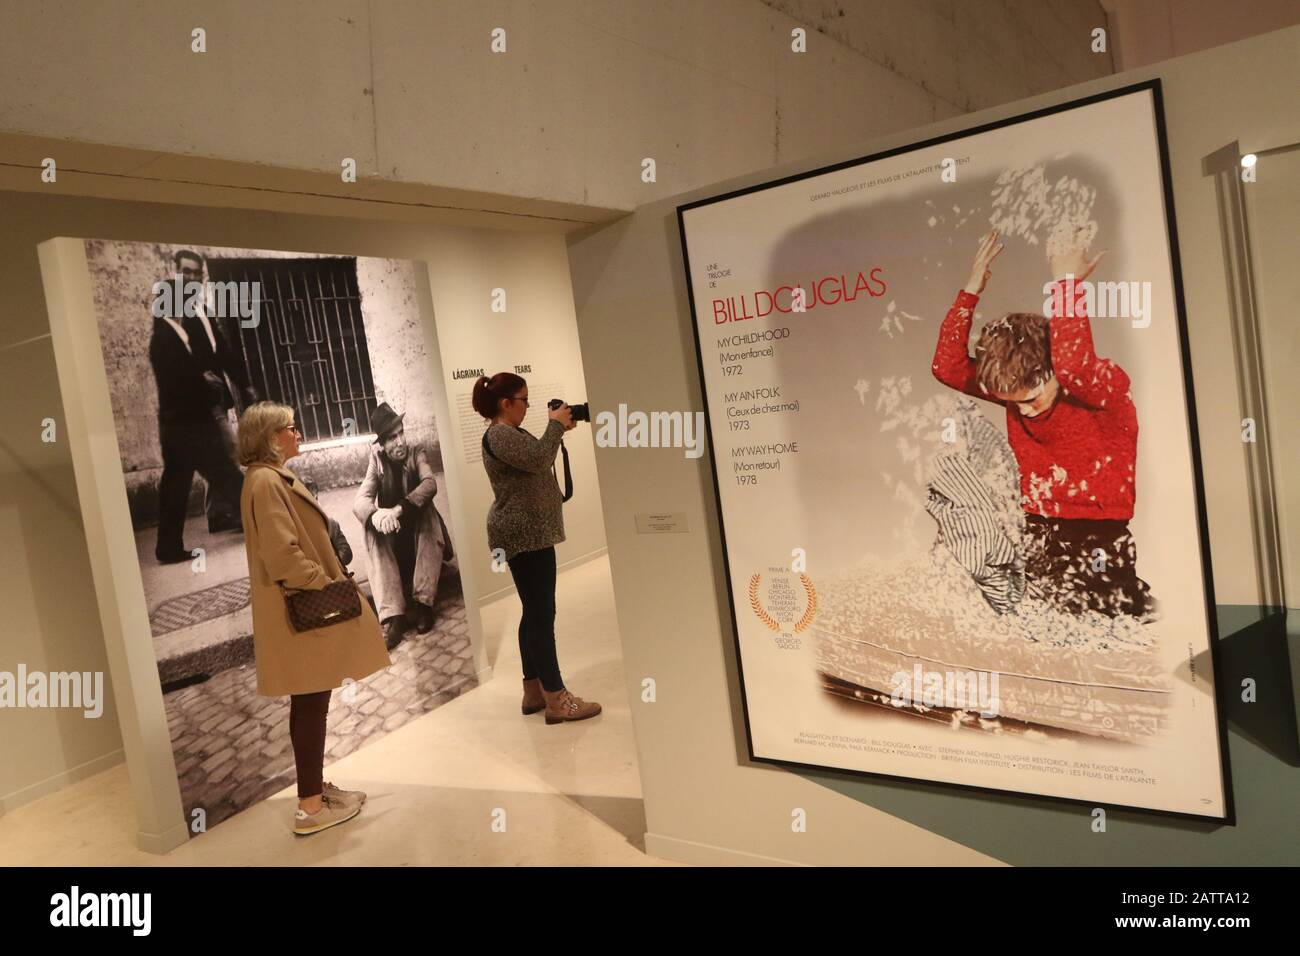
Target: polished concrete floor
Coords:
[[440, 787]]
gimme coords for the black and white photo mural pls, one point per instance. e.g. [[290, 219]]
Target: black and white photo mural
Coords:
[[191, 335]]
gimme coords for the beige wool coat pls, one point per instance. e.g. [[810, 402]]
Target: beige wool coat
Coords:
[[287, 538]]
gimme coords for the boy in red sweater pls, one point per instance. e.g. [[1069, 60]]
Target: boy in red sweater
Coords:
[[1073, 428]]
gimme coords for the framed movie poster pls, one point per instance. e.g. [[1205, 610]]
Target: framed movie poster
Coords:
[[953, 434]]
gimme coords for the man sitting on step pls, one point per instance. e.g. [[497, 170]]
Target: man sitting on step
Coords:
[[407, 542]]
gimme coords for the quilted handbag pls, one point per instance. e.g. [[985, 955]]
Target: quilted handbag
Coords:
[[335, 603]]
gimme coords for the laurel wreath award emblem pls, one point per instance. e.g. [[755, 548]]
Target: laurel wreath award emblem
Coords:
[[756, 605]]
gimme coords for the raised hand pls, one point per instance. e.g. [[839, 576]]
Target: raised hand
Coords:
[[563, 415], [981, 268], [1071, 258]]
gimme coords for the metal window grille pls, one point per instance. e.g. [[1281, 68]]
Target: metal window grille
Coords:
[[309, 350]]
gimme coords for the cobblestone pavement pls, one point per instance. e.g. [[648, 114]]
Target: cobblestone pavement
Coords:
[[232, 747]]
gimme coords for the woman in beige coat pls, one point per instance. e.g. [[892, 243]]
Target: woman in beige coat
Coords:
[[287, 537]]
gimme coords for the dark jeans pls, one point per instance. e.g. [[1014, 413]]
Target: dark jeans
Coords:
[[307, 713], [534, 574], [1064, 561], [187, 447]]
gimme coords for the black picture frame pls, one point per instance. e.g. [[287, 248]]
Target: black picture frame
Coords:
[[1153, 87]]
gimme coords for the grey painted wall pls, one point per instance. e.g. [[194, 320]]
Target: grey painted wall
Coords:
[[585, 90]]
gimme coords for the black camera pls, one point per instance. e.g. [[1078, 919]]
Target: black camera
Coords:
[[581, 413]]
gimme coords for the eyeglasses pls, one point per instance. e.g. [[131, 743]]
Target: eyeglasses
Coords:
[[520, 398], [292, 428]]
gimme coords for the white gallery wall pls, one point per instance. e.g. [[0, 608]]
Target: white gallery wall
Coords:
[[53, 620], [704, 802]]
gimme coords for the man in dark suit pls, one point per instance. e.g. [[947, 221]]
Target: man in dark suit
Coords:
[[191, 362]]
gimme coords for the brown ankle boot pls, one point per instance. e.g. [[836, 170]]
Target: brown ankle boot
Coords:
[[533, 699], [562, 706]]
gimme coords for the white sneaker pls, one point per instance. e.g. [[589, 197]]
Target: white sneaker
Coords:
[[353, 798], [331, 813]]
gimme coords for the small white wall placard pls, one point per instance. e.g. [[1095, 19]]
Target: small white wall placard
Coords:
[[661, 522]]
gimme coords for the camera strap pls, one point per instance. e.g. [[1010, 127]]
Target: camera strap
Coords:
[[568, 478]]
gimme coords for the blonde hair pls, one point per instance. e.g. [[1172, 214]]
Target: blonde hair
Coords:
[[256, 426]]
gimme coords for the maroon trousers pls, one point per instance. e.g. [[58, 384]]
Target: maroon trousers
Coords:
[[307, 713]]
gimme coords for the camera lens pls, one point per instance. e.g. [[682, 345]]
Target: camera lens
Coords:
[[581, 413]]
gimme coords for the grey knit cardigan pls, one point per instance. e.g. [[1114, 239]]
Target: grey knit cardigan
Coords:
[[527, 513]]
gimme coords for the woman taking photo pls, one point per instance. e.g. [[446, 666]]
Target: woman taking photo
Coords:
[[287, 537], [525, 522]]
